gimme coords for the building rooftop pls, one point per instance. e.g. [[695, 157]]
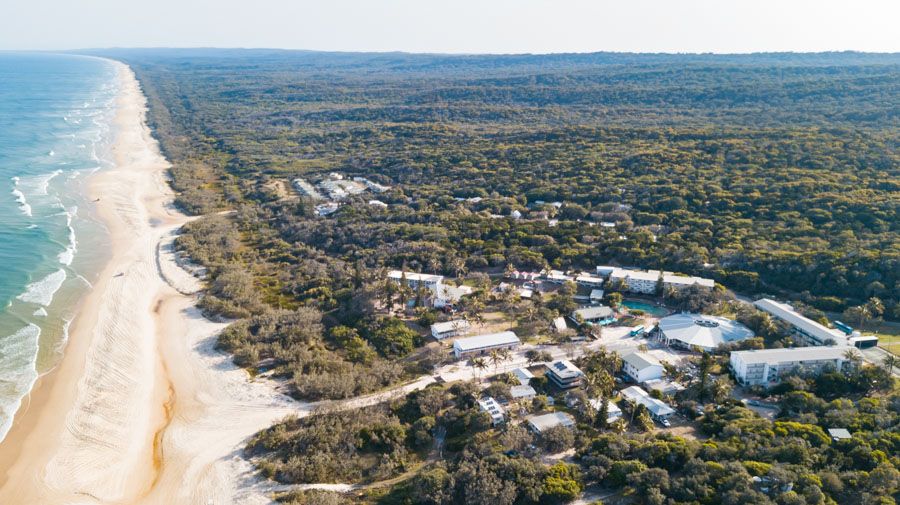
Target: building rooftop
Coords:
[[544, 422], [559, 324], [839, 434], [488, 340], [787, 313], [598, 312], [775, 356], [668, 277], [448, 326], [656, 407], [414, 276], [640, 360], [521, 391], [493, 408], [523, 375], [703, 331], [564, 369]]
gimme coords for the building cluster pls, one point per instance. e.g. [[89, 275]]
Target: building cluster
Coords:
[[336, 188], [647, 281], [439, 294]]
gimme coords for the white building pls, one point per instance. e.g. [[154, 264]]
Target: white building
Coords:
[[557, 277], [590, 281], [522, 392], [484, 344], [641, 367], [613, 411], [523, 375], [493, 409], [559, 324], [668, 388], [767, 366], [658, 409], [448, 329], [645, 281], [413, 279], [808, 331], [599, 314], [564, 374], [542, 423], [706, 332], [596, 296]]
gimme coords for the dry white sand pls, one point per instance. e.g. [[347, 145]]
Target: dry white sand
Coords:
[[142, 409]]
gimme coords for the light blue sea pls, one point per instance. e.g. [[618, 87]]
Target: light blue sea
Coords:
[[55, 117]]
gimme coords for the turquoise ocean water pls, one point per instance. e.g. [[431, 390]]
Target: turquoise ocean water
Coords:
[[55, 117]]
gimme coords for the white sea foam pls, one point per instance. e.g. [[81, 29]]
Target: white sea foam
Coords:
[[40, 312], [42, 291], [23, 203], [51, 153], [68, 254], [18, 364], [38, 184]]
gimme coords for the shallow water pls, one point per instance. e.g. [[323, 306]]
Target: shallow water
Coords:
[[55, 117]]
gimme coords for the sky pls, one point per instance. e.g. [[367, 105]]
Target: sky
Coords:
[[457, 26]]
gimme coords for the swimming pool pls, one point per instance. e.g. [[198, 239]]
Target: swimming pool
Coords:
[[648, 308]]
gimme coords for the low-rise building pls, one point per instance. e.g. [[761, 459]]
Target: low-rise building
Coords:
[[646, 281], [642, 367], [557, 276], [687, 331], [765, 367], [590, 281], [523, 375], [838, 434], [448, 329], [484, 344], [599, 314], [413, 279], [559, 324], [668, 388], [596, 296], [493, 409], [807, 331], [522, 393], [613, 411], [659, 410], [541, 423], [564, 374]]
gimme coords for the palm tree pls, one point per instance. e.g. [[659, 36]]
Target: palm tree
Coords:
[[480, 365], [853, 356], [890, 361]]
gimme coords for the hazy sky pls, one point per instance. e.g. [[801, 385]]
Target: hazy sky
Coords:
[[457, 26]]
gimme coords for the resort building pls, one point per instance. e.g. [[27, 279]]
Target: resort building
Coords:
[[522, 393], [687, 331], [589, 281], [413, 279], [440, 294], [613, 411], [659, 410], [523, 375], [556, 277], [806, 330], [559, 324], [641, 367], [645, 281], [484, 344], [493, 409], [766, 367], [448, 329], [564, 375], [596, 296], [542, 423], [599, 314], [667, 388]]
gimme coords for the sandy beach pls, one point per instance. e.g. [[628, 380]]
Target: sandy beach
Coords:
[[141, 409]]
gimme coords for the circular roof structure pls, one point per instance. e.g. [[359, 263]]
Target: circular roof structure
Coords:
[[706, 332]]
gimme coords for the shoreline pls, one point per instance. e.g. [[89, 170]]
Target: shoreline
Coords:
[[141, 408]]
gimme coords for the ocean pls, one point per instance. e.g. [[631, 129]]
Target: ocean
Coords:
[[55, 117]]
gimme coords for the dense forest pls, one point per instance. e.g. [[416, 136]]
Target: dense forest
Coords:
[[772, 173]]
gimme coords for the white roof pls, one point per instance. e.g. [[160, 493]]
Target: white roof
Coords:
[[707, 332], [523, 374], [522, 391], [491, 406], [559, 324], [656, 407], [589, 279], [488, 340], [598, 312], [776, 356], [596, 293], [611, 406], [788, 314], [546, 421], [565, 369], [668, 277], [448, 326], [640, 361], [839, 433], [414, 276]]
